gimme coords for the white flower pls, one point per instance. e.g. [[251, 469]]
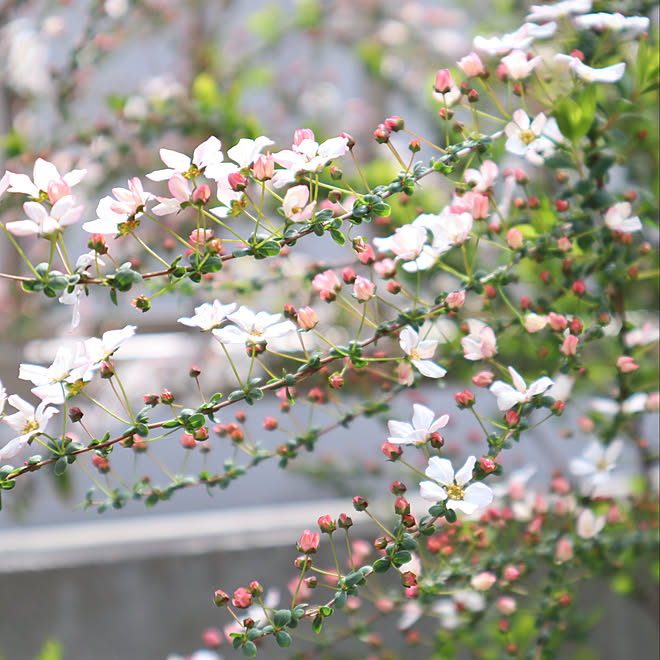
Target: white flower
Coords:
[[40, 222], [208, 315], [422, 427], [308, 156], [420, 353], [246, 151], [619, 218], [181, 189], [534, 139], [558, 10], [608, 74], [46, 177], [27, 422], [295, 204], [617, 22], [521, 39], [207, 153], [535, 322], [113, 211], [484, 177], [646, 334], [596, 462], [451, 487], [450, 227], [408, 243], [518, 66], [587, 525], [480, 343], [253, 328], [3, 397], [99, 350], [632, 405], [70, 364], [508, 396]]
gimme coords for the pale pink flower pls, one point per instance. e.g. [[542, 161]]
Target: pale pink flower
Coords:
[[326, 283], [451, 227], [646, 334], [588, 525], [420, 353], [506, 605], [127, 203], [619, 218], [245, 152], [264, 167], [564, 550], [363, 288], [295, 204], [508, 396], [181, 190], [385, 268], [455, 299], [443, 81], [422, 428], [517, 66], [535, 322], [569, 345], [514, 238], [207, 153], [450, 487], [471, 65], [208, 315], [483, 178], [480, 343], [99, 350], [40, 222], [483, 581], [47, 179], [408, 243], [306, 318], [558, 322], [476, 204], [309, 541], [608, 74]]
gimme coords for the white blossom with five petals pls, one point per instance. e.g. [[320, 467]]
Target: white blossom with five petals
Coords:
[[508, 396], [423, 426]]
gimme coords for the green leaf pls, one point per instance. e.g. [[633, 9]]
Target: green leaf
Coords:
[[317, 623], [575, 117], [249, 649], [283, 639], [60, 466], [281, 618]]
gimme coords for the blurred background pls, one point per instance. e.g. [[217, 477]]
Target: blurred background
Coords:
[[102, 86]]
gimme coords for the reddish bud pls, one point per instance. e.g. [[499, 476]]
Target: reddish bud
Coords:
[[309, 542], [242, 598], [512, 418], [414, 146], [270, 423], [401, 506], [336, 381], [344, 521], [464, 399], [75, 414], [326, 524], [220, 598], [391, 450], [348, 275], [360, 503], [194, 371], [487, 464], [394, 123], [561, 205], [166, 396], [202, 194], [382, 134], [107, 370]]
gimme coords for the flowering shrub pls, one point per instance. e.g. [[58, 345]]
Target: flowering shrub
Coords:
[[529, 277]]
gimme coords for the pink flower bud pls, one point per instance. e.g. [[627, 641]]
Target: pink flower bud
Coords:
[[564, 550], [569, 346], [394, 123], [336, 381], [360, 503], [391, 450], [487, 464], [237, 182], [301, 134], [514, 238], [242, 598], [625, 364], [363, 288], [366, 255], [471, 65], [561, 486], [212, 638], [187, 441], [385, 268], [326, 524], [483, 379], [464, 399], [264, 167], [401, 506], [483, 581], [506, 605], [512, 418], [57, 189], [510, 573], [269, 423], [443, 81], [348, 275], [564, 244], [455, 299], [199, 237], [202, 194], [579, 288], [220, 598], [557, 322], [309, 542], [306, 318], [382, 134]]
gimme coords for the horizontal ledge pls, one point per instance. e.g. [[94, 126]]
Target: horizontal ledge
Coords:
[[74, 544]]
